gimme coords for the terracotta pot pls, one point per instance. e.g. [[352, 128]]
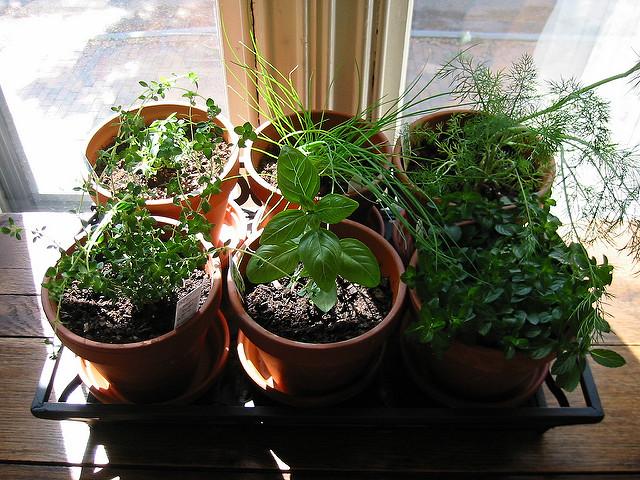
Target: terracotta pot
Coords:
[[233, 233], [400, 238], [270, 197], [151, 370], [105, 135], [472, 372], [299, 368]]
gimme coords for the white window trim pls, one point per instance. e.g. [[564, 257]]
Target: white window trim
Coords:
[[354, 51]]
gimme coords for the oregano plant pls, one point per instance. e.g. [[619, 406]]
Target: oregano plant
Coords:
[[297, 243]]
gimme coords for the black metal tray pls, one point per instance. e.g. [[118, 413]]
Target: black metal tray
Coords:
[[391, 400]]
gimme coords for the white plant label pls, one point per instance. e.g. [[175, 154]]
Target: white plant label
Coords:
[[187, 306]]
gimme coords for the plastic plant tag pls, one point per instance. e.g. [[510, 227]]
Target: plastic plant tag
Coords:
[[187, 306]]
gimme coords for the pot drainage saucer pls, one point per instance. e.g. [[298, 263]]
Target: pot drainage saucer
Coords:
[[426, 381], [258, 372], [207, 371]]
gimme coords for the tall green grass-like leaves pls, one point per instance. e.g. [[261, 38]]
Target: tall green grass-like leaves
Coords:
[[295, 244]]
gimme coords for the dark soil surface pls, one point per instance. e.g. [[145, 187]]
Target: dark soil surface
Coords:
[[268, 170], [155, 187], [282, 311], [95, 317]]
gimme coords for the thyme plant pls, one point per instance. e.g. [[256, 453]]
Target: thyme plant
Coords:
[[128, 254]]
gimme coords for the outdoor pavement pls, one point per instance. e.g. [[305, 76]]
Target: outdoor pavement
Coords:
[[64, 63]]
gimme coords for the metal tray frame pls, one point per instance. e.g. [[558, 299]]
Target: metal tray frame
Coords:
[[235, 400]]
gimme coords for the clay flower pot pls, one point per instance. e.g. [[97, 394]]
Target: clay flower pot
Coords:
[[312, 369], [432, 121], [151, 370], [104, 136], [270, 197], [233, 232], [470, 374]]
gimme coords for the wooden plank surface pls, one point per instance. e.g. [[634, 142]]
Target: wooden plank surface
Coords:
[[33, 448], [22, 315], [31, 472], [612, 446]]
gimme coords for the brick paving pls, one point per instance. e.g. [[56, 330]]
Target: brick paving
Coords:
[[66, 62]]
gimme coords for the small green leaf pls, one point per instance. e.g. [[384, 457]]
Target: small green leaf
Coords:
[[320, 253], [607, 358], [570, 380], [358, 264], [333, 208], [521, 290], [454, 232], [507, 230], [542, 352], [298, 178], [271, 262], [564, 364], [286, 225], [484, 328], [493, 295], [325, 300]]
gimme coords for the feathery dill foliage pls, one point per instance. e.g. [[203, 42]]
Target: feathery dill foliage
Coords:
[[520, 125]]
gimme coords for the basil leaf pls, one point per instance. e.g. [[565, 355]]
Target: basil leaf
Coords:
[[334, 208], [320, 252], [286, 225], [325, 300], [298, 178], [358, 264], [271, 262]]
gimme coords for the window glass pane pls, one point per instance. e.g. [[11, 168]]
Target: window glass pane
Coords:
[[584, 39], [66, 62]]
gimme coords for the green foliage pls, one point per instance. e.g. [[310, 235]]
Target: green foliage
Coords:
[[166, 147], [246, 133], [294, 244], [127, 254], [12, 229], [519, 125], [514, 285]]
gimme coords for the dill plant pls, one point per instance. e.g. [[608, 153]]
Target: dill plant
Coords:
[[524, 129]]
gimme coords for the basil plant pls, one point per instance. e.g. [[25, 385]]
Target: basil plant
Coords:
[[297, 243]]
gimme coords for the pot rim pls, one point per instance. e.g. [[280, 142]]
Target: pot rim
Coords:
[[229, 135], [50, 308], [396, 305], [245, 153]]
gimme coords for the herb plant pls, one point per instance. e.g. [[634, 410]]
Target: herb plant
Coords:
[[128, 254], [507, 146], [514, 286], [294, 243], [167, 146]]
